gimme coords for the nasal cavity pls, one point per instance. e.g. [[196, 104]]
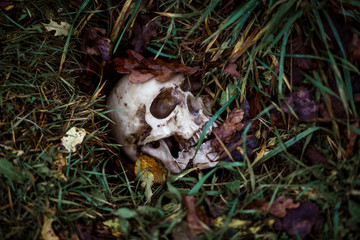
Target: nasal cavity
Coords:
[[193, 106], [164, 103]]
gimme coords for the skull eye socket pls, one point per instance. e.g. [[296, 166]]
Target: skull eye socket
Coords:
[[193, 106], [163, 104]]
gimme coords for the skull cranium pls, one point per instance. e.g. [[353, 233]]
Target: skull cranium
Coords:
[[161, 120]]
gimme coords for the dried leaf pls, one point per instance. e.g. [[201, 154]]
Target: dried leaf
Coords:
[[232, 70], [196, 216], [226, 131], [158, 170], [303, 104], [246, 227], [143, 69], [138, 77], [72, 139], [155, 173], [280, 206], [143, 30], [115, 227], [302, 221], [94, 42], [60, 163], [47, 232], [61, 29]]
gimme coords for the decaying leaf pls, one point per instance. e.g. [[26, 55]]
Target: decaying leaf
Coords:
[[47, 232], [61, 29], [303, 104], [154, 173], [143, 69], [245, 226], [280, 206], [144, 29], [227, 130], [72, 139], [302, 221], [196, 216], [60, 163], [115, 227], [232, 70], [94, 42]]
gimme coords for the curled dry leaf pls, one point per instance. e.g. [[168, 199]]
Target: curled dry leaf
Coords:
[[94, 42], [196, 215], [227, 130], [303, 104], [143, 69]]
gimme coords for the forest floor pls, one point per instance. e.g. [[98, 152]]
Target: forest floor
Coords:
[[291, 68]]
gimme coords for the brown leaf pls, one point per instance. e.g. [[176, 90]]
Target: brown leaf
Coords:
[[143, 30], [142, 69], [196, 215], [138, 77], [303, 104], [94, 43], [232, 70], [302, 221], [226, 131], [280, 206]]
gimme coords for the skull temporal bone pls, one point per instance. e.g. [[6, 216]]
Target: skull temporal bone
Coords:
[[149, 113]]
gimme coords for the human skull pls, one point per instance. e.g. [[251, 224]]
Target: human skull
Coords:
[[161, 120]]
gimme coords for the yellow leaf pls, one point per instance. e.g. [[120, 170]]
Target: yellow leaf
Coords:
[[154, 173], [114, 226], [47, 231], [156, 169], [60, 162]]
